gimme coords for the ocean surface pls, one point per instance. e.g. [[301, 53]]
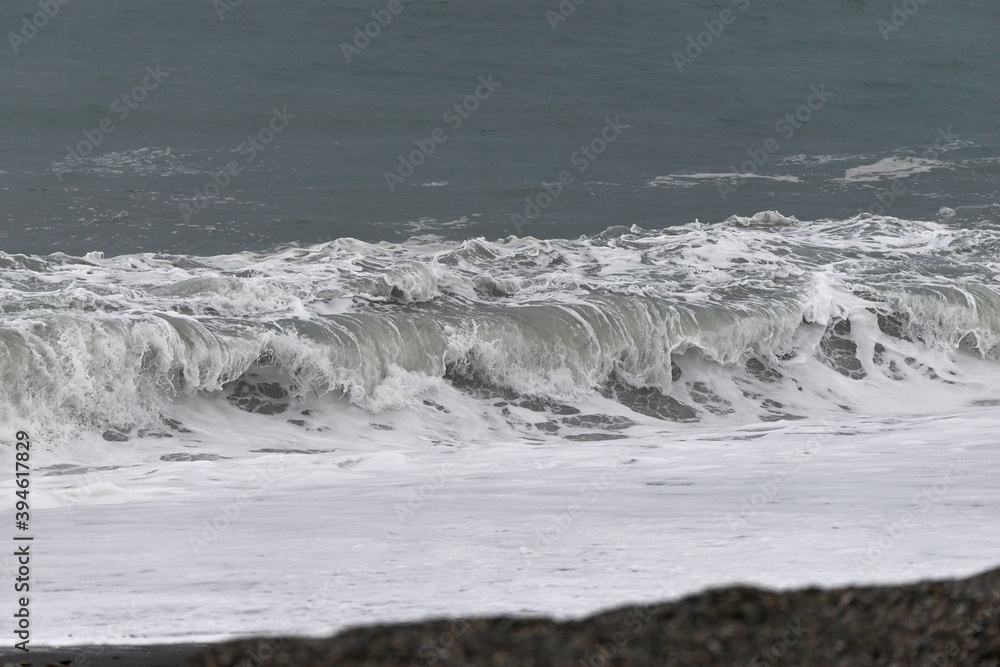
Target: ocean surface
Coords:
[[328, 313]]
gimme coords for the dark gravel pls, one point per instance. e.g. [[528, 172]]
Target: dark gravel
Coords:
[[101, 656], [927, 623]]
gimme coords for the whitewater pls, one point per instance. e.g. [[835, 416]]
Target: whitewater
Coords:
[[321, 436]]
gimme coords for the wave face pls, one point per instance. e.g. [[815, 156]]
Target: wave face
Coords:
[[761, 318]]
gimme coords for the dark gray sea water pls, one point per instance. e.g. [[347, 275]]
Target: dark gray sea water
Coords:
[[120, 119]]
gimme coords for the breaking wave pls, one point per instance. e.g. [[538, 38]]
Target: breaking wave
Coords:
[[760, 318]]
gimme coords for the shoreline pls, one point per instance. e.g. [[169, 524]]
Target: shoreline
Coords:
[[939, 622], [152, 655]]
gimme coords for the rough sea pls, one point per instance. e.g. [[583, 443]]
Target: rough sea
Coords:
[[322, 313]]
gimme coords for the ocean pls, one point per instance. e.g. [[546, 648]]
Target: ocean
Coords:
[[336, 312]]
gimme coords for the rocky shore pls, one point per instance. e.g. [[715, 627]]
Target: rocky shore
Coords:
[[927, 623], [933, 623]]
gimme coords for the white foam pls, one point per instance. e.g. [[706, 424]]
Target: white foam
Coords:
[[892, 167], [160, 161], [438, 410], [301, 544], [685, 180]]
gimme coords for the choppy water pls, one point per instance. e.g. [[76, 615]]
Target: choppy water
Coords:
[[418, 288], [910, 107], [767, 317]]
